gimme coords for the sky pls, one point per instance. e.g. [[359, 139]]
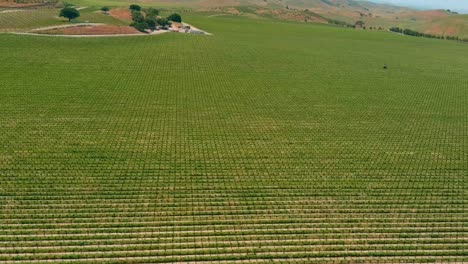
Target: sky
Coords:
[[455, 5]]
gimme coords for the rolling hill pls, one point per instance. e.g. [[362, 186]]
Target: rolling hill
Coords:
[[439, 22], [384, 16]]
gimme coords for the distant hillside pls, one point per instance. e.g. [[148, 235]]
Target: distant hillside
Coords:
[[384, 16], [440, 22]]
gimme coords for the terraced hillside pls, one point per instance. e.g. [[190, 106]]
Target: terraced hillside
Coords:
[[275, 142]]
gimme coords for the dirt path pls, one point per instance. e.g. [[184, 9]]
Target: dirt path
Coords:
[[216, 15], [12, 11], [65, 26], [81, 36], [196, 29]]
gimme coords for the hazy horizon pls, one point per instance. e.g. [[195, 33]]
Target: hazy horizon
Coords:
[[454, 5]]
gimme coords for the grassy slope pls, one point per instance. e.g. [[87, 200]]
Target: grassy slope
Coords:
[[452, 25], [282, 133], [385, 16]]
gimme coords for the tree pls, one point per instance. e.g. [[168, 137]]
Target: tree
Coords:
[[396, 29], [151, 12], [135, 7], [359, 23], [175, 18], [70, 13], [412, 33], [161, 21], [137, 16], [140, 26], [151, 22], [105, 9]]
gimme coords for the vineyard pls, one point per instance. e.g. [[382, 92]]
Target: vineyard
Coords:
[[24, 20], [28, 19], [273, 142]]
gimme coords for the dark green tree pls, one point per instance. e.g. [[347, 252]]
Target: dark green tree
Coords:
[[137, 17], [140, 26], [175, 17], [151, 22], [161, 21], [152, 12], [135, 7], [70, 13]]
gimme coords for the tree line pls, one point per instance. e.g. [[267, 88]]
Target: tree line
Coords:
[[415, 33]]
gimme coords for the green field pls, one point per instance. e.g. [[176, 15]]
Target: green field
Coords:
[[265, 142]]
